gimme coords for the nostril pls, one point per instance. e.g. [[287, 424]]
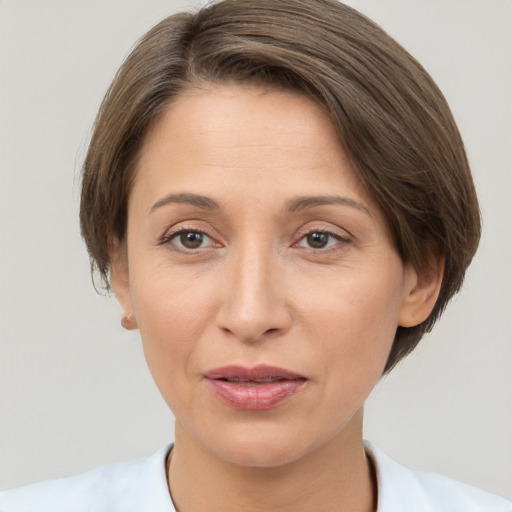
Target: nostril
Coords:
[[270, 331]]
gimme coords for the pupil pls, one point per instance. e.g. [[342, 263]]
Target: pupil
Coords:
[[191, 240], [318, 240]]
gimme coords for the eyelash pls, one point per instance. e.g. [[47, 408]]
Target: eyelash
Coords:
[[170, 237], [337, 237]]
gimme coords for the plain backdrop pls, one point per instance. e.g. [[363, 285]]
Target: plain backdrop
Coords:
[[74, 389]]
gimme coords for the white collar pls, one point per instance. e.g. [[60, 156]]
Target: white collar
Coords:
[[399, 489]]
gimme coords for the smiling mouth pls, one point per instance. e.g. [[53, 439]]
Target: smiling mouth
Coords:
[[258, 388]]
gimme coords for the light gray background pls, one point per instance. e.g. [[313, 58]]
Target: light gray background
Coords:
[[74, 389]]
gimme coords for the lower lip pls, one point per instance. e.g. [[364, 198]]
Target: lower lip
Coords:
[[255, 397]]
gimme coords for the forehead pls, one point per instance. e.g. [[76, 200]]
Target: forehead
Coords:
[[239, 135], [243, 115]]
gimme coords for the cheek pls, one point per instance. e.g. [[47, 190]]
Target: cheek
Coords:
[[171, 316], [353, 322], [353, 332]]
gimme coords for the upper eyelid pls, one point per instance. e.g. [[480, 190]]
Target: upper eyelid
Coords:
[[170, 237], [179, 227], [336, 232], [170, 234], [338, 238], [342, 237]]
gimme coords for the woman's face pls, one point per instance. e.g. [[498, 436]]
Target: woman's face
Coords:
[[251, 244]]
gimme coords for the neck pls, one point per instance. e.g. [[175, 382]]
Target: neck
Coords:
[[336, 476]]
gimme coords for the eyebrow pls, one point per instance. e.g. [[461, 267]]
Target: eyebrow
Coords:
[[196, 200], [294, 205], [304, 203]]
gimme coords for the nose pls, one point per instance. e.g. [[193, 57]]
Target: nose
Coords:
[[254, 306]]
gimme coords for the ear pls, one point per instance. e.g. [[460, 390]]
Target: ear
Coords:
[[120, 283], [421, 290]]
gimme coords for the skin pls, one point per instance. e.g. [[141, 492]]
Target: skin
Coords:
[[258, 291]]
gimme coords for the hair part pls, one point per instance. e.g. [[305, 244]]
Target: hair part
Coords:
[[392, 120]]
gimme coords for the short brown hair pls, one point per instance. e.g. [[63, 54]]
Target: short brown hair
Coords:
[[391, 118]]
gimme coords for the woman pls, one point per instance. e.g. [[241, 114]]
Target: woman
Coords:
[[279, 198]]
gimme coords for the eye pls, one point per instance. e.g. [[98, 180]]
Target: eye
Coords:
[[319, 240], [189, 239]]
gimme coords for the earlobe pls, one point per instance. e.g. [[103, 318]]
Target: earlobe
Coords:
[[120, 284], [128, 322], [421, 291]]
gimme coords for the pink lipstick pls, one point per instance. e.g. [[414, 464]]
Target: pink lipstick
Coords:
[[259, 388]]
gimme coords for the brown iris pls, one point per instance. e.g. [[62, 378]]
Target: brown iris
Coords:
[[317, 240], [191, 239]]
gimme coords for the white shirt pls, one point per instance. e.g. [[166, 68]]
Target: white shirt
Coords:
[[141, 486]]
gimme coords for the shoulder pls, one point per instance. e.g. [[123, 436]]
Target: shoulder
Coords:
[[402, 490], [139, 485]]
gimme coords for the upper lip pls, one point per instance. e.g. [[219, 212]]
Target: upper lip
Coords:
[[256, 373]]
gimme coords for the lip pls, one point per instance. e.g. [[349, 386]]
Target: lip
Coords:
[[258, 388]]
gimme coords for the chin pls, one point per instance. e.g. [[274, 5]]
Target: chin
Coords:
[[259, 447], [260, 454]]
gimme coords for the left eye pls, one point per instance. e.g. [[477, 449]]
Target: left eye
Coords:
[[319, 240], [187, 239]]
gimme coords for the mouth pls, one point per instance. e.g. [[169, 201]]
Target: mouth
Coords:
[[258, 388]]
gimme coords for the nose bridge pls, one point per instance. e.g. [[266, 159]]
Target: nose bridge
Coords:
[[253, 303]]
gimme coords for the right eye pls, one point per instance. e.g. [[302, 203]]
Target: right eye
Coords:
[[188, 239]]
